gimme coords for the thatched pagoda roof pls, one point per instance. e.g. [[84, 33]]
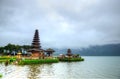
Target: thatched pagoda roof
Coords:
[[34, 49], [49, 50]]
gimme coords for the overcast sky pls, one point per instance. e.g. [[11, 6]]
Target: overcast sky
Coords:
[[61, 23]]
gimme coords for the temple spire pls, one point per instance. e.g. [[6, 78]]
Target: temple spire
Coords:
[[36, 41], [36, 51]]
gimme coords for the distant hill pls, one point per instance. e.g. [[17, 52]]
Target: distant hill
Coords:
[[103, 50]]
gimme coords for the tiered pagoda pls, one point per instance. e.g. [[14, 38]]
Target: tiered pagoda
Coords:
[[69, 52], [36, 50]]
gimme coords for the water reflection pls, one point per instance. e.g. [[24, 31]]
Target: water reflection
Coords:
[[40, 71], [34, 71], [47, 71], [5, 70], [69, 69], [92, 67]]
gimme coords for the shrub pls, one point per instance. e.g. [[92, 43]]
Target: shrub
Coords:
[[12, 59]]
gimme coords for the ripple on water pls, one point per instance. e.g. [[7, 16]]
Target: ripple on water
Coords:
[[92, 67]]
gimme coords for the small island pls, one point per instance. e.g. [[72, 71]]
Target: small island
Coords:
[[36, 55], [69, 57]]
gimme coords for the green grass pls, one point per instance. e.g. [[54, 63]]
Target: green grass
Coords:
[[71, 59], [0, 75], [37, 61], [5, 58]]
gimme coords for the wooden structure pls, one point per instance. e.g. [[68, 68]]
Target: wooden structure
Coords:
[[49, 51], [36, 50]]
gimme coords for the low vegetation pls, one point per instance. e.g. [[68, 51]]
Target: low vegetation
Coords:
[[6, 58], [71, 59], [37, 61], [0, 75], [9, 60], [22, 61]]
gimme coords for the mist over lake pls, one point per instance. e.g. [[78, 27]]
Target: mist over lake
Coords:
[[98, 50]]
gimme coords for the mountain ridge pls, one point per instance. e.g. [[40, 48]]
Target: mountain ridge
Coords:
[[98, 50]]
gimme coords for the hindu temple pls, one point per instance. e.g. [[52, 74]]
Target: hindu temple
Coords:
[[36, 50], [69, 52]]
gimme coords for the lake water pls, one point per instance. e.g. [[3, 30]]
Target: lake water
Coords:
[[94, 67]]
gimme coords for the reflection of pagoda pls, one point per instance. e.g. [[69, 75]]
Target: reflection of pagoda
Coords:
[[36, 50]]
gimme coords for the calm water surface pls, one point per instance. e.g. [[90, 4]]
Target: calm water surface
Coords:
[[94, 67]]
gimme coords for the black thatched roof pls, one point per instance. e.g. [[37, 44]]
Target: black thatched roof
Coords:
[[33, 49], [49, 50]]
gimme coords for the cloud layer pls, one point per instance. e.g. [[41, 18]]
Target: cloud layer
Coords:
[[64, 23]]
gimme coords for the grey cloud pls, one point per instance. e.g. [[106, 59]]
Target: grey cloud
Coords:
[[64, 23]]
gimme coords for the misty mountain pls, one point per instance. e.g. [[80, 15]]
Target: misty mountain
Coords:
[[103, 50]]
